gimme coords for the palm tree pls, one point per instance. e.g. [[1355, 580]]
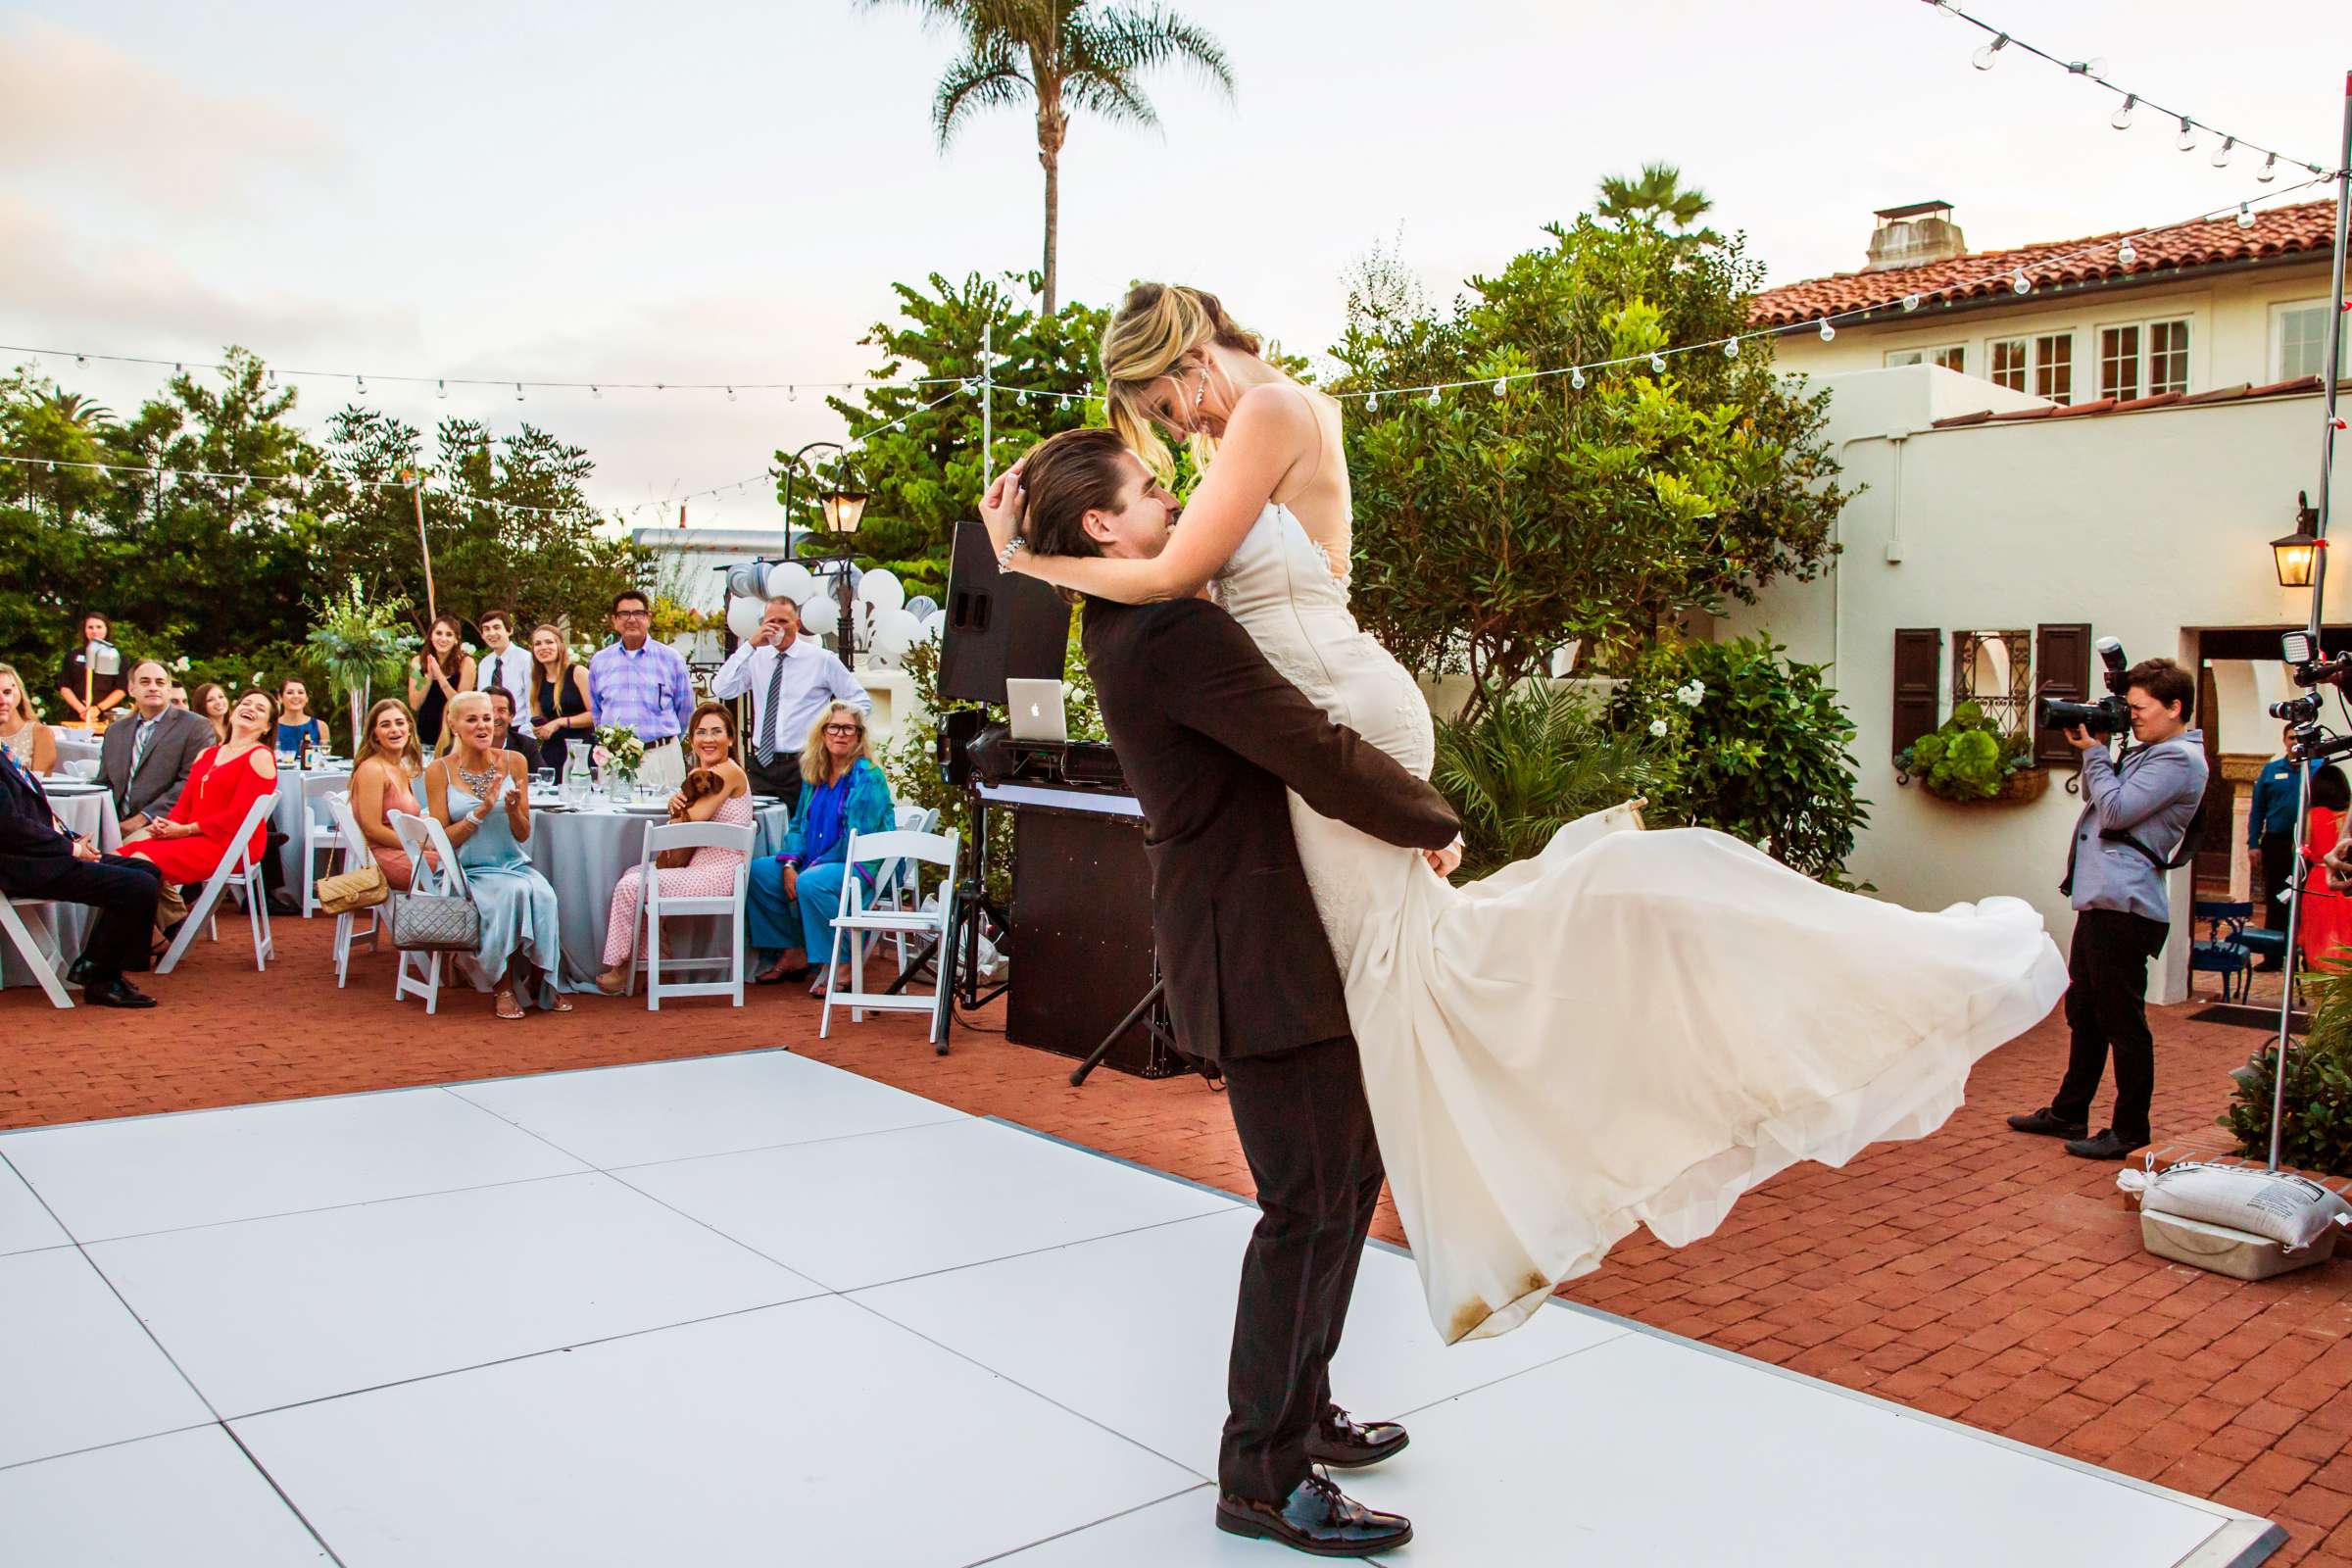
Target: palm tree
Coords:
[[1658, 197], [1064, 56], [83, 413]]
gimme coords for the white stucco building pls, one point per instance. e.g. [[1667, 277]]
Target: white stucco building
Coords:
[[2134, 496]]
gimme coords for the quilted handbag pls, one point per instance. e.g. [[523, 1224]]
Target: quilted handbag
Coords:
[[435, 923], [347, 891]]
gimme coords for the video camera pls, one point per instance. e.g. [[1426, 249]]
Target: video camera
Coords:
[[2109, 715], [2309, 667]]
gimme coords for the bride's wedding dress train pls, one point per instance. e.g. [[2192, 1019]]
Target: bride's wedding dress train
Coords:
[[1632, 1028]]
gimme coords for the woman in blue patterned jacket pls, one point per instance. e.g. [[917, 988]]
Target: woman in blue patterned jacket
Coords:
[[795, 895]]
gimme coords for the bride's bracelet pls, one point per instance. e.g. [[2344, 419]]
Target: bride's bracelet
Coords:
[[1006, 555]]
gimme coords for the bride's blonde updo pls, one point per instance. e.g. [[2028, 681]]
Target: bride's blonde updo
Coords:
[[1158, 325]]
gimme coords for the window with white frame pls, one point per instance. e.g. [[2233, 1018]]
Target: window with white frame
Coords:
[[2299, 339], [2054, 366], [2142, 358], [2009, 362], [1951, 356]]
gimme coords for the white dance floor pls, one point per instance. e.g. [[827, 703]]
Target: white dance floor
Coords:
[[755, 1310]]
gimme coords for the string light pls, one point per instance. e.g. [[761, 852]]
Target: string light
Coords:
[[597, 392], [1984, 57], [1829, 334], [2121, 119], [1576, 378], [2187, 141], [441, 389], [2020, 283], [2245, 216], [363, 381], [730, 394], [2125, 254], [1501, 386], [1657, 365], [2269, 169], [2220, 154], [1730, 348], [1910, 302], [519, 391]]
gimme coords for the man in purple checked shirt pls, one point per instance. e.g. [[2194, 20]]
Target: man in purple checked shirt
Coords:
[[642, 683]]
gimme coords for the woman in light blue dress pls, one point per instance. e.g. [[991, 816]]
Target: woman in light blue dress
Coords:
[[481, 794]]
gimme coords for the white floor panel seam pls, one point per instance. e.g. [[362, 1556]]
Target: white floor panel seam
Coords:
[[528, 1355], [101, 1448], [1496, 1382], [1010, 1380], [1079, 1530], [332, 1209], [1027, 1252], [291, 1506], [957, 1120]]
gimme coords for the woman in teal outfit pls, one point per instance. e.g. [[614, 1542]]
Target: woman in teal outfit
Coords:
[[795, 895], [482, 797]]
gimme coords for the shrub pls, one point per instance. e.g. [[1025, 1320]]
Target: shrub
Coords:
[[2318, 1134], [1968, 758], [1760, 747], [1535, 760]]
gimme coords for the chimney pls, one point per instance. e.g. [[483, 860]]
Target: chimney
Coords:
[[1914, 236]]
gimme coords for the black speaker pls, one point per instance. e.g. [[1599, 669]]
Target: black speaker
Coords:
[[1000, 625], [958, 727]]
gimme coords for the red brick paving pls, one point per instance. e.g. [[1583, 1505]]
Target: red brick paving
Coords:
[[1977, 1274]]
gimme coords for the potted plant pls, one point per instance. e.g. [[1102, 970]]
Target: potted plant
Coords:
[[1972, 761], [358, 642]]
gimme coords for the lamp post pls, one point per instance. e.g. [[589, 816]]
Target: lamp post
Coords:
[[844, 508], [2295, 552]]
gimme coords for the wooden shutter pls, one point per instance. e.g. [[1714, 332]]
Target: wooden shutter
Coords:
[[2061, 668], [1917, 684]]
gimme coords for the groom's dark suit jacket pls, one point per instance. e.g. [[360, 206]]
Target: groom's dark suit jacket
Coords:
[[1208, 734]]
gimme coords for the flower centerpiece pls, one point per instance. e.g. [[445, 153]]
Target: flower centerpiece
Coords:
[[1972, 758], [360, 643], [618, 749]]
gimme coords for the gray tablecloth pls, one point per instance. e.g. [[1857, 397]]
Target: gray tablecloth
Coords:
[[583, 855], [297, 791], [91, 815], [73, 745]]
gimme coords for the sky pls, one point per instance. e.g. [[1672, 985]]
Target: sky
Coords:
[[714, 191]]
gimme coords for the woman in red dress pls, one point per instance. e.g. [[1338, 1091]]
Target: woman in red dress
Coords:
[[222, 785], [2323, 929]]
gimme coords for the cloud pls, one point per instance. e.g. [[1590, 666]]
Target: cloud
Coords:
[[74, 106]]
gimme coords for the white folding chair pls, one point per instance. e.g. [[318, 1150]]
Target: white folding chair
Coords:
[[317, 838], [858, 922], [39, 952], [899, 883], [356, 853], [423, 839], [239, 871], [654, 907]]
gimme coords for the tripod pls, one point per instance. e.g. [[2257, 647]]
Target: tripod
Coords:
[[1156, 1025], [956, 955]]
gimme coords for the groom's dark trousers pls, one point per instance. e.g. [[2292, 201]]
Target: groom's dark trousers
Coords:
[[1210, 736]]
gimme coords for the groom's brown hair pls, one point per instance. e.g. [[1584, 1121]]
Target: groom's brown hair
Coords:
[[1067, 476]]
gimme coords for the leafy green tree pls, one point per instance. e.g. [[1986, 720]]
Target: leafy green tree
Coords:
[[1492, 528], [1658, 198], [1061, 57], [922, 465]]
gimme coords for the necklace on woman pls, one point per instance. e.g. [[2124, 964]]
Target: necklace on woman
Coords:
[[476, 784]]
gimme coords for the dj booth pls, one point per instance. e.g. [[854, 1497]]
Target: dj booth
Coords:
[[1080, 923]]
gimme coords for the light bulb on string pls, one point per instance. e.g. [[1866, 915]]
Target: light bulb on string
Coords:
[[1829, 334], [1657, 365], [362, 384], [85, 359], [2269, 169], [1983, 58], [1371, 400], [2187, 141], [1501, 386], [441, 389], [730, 394], [2096, 66], [274, 378], [519, 391], [792, 394], [2220, 154], [1576, 378], [2121, 119], [2021, 284], [2127, 254], [2245, 216], [1434, 399], [595, 392], [1910, 302], [1730, 348]]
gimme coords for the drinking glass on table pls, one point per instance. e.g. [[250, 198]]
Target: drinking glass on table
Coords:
[[543, 780]]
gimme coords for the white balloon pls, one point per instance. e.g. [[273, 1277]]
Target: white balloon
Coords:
[[790, 581], [935, 625], [743, 616], [921, 605], [819, 615], [896, 631], [882, 589]]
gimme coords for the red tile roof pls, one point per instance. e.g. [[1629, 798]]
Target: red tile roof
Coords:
[[2306, 227], [2162, 400]]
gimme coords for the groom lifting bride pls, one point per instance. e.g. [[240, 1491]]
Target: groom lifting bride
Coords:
[[1630, 1029]]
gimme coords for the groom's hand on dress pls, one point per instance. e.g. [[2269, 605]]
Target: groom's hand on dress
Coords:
[[1448, 860]]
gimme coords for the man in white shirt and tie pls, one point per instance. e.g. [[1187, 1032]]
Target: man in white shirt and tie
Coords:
[[503, 664], [790, 678]]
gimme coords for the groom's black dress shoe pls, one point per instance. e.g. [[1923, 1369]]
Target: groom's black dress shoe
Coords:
[[1344, 1443], [2048, 1124], [1317, 1518]]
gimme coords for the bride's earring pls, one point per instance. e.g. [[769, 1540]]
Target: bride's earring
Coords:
[[1198, 393]]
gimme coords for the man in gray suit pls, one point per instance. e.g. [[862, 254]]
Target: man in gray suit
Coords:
[[147, 752], [2136, 816]]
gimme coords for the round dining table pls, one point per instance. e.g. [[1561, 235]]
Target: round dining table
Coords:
[[75, 745], [303, 791], [583, 849], [89, 809]]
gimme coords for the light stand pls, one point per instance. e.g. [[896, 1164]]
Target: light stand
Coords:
[[2331, 373], [844, 508]]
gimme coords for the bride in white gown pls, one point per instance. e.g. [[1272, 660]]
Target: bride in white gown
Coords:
[[1632, 1028]]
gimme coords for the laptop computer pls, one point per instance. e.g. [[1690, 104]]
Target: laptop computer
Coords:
[[1035, 710]]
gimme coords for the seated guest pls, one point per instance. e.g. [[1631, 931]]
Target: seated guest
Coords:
[[2325, 925], [716, 790], [482, 796], [296, 725], [511, 738], [40, 859], [381, 776], [559, 697], [189, 844], [148, 752], [23, 737], [179, 695], [795, 895], [210, 703]]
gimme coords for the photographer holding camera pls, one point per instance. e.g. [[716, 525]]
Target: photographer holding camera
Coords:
[[2139, 818]]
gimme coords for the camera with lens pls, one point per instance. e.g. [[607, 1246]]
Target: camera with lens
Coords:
[[2109, 715]]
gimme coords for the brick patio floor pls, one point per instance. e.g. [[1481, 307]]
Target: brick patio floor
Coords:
[[1976, 1275]]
